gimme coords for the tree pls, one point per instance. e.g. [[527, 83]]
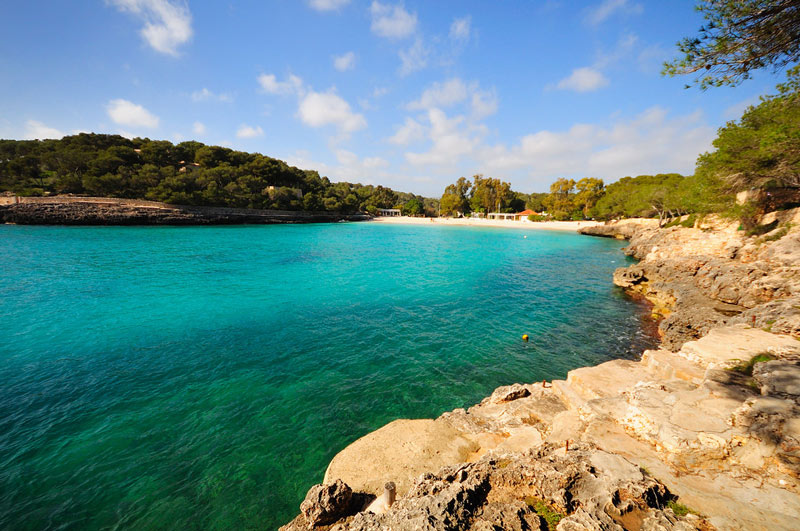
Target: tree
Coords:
[[739, 36], [763, 148], [559, 203], [455, 199], [412, 207], [490, 194], [589, 191]]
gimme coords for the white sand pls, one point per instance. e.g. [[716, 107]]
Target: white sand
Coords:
[[571, 226]]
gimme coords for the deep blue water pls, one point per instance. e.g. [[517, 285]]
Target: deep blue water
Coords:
[[202, 378]]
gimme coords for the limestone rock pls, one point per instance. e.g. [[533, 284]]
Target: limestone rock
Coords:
[[508, 393], [399, 452], [325, 504]]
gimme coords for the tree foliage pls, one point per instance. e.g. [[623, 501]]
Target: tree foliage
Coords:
[[762, 149], [739, 36], [188, 173], [483, 194]]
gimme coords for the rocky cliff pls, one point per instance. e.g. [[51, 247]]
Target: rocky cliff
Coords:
[[701, 434], [101, 211], [715, 274]]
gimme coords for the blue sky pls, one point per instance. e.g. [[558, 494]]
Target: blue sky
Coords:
[[408, 94]]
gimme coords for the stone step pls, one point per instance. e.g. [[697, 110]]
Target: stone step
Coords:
[[665, 365], [724, 347], [564, 391], [608, 379]]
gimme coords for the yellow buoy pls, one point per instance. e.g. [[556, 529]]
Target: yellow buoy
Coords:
[[525, 337]]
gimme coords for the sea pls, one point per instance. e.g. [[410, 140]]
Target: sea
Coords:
[[204, 377]]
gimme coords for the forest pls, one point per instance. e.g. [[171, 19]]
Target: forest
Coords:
[[188, 173]]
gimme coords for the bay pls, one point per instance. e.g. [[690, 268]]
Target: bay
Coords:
[[203, 377]]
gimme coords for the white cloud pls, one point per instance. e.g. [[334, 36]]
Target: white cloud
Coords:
[[390, 21], [410, 131], [451, 139], [607, 8], [583, 80], [248, 131], [205, 95], [651, 142], [167, 25], [344, 62], [348, 167], [460, 28], [35, 130], [124, 112], [318, 109], [483, 104], [327, 5], [413, 59], [270, 84], [441, 95], [453, 92], [199, 128]]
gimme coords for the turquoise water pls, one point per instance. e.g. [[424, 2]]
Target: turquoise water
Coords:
[[202, 378]]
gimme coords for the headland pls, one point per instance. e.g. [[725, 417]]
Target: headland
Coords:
[[703, 433], [74, 210]]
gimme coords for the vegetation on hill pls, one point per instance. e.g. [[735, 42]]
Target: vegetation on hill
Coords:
[[759, 154], [188, 173]]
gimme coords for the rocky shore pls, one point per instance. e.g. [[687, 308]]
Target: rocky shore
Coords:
[[110, 211], [703, 433]]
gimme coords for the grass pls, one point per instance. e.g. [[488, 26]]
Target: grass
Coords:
[[758, 230], [550, 515], [680, 509], [778, 234], [747, 368], [689, 222]]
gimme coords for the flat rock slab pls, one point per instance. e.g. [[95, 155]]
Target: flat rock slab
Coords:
[[399, 452], [724, 347], [666, 365], [608, 379]]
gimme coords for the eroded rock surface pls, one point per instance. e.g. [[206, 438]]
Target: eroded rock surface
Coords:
[[714, 274], [583, 488]]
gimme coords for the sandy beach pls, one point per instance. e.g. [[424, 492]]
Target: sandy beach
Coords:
[[571, 226]]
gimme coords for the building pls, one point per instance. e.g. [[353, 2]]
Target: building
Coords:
[[389, 212], [524, 214], [500, 215]]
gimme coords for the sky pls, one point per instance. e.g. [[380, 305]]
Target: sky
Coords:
[[410, 94]]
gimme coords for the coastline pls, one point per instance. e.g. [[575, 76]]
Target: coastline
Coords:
[[68, 210], [684, 421], [569, 226]]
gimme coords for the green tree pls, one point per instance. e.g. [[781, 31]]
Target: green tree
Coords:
[[589, 190], [455, 199], [739, 36], [559, 203], [762, 149], [412, 207]]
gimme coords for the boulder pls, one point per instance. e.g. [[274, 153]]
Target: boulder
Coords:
[[325, 504]]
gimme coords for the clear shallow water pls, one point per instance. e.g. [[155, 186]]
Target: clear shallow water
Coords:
[[202, 378]]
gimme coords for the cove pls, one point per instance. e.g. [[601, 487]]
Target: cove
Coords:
[[203, 377]]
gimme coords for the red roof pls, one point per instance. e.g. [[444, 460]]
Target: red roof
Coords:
[[526, 212]]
